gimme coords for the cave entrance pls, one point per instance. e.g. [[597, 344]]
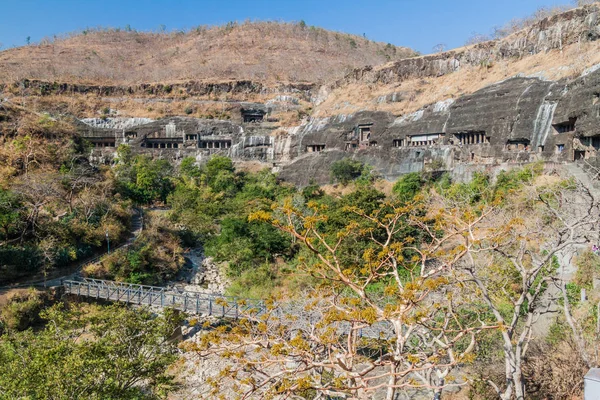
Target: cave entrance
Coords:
[[465, 138], [314, 148], [427, 139], [517, 145], [106, 142], [215, 144], [351, 145], [398, 143], [364, 132], [252, 115], [591, 141], [566, 126]]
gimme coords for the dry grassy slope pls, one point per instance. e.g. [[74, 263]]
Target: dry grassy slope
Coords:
[[265, 51], [561, 46], [415, 93]]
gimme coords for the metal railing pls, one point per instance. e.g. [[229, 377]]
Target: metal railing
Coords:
[[155, 296], [292, 314]]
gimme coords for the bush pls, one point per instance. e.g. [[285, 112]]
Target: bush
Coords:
[[347, 170], [258, 283], [407, 186], [16, 262], [588, 268], [22, 309]]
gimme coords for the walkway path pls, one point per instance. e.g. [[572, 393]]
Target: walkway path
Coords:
[[56, 277], [294, 314]]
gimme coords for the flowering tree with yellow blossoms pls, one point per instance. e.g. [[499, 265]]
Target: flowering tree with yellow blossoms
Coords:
[[387, 314]]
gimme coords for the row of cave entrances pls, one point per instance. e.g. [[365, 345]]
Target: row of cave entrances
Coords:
[[591, 142], [203, 144], [431, 139], [360, 137], [163, 144]]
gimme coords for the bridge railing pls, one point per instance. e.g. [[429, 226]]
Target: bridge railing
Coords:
[[189, 302], [293, 314]]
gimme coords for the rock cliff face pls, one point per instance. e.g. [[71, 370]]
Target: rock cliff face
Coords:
[[516, 121], [174, 90], [575, 26], [510, 122]]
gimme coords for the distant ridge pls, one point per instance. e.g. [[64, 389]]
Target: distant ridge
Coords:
[[258, 51]]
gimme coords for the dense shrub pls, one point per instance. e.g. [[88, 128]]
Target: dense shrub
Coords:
[[90, 352], [155, 257], [347, 170], [16, 262], [22, 309], [407, 186]]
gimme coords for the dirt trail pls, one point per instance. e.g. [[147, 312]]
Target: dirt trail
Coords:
[[56, 276]]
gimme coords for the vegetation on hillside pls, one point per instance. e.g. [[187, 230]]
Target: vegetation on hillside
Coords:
[[436, 259], [367, 254], [259, 51], [91, 352], [56, 208]]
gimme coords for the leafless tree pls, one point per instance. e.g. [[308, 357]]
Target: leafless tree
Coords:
[[439, 48], [511, 259]]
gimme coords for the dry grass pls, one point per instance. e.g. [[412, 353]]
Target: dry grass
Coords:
[[7, 296], [417, 93], [338, 190], [91, 105], [264, 51]]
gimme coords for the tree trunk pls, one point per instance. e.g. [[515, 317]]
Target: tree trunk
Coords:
[[391, 390], [519, 384]]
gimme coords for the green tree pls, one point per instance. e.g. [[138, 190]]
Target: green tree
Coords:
[[408, 186], [10, 215], [347, 170], [90, 352]]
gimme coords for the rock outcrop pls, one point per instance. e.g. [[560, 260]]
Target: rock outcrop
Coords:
[[574, 26], [173, 90], [514, 121]]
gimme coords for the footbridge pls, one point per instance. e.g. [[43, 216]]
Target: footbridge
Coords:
[[163, 297], [295, 315]]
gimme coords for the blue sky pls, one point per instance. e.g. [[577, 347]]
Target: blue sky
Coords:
[[419, 24]]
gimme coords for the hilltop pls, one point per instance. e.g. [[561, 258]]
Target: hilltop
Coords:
[[561, 45], [257, 51]]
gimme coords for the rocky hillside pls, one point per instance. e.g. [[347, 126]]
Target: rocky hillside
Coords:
[[262, 51], [560, 46]]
